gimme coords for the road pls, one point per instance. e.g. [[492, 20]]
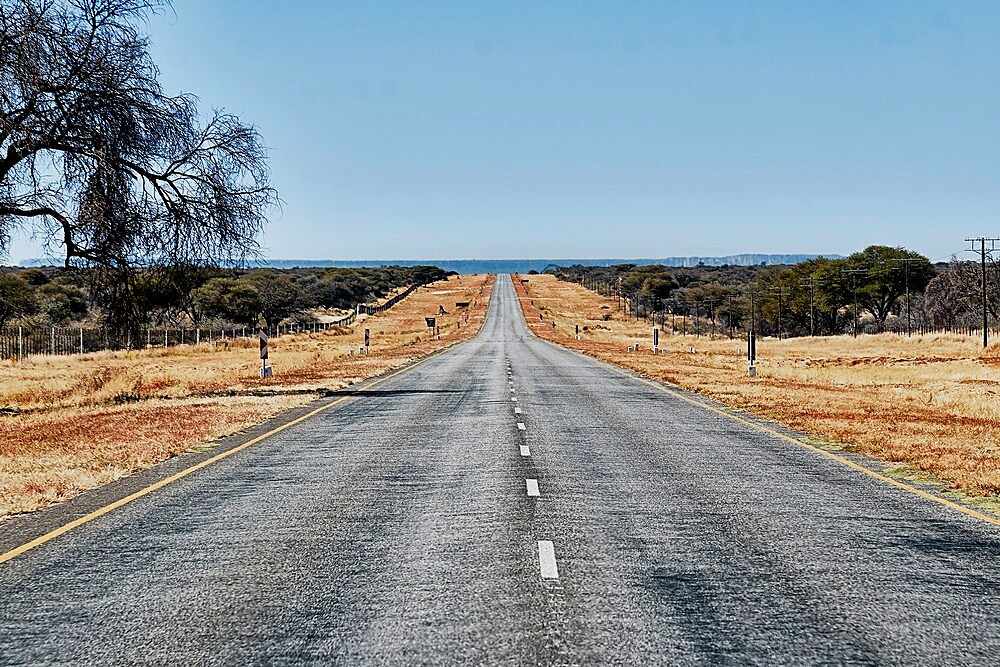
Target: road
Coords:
[[511, 502]]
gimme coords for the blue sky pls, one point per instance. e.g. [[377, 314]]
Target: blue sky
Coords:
[[616, 129]]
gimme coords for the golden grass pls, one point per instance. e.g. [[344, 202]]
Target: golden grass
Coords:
[[927, 404], [72, 423]]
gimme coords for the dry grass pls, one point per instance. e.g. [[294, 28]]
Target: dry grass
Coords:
[[71, 423], [926, 404]]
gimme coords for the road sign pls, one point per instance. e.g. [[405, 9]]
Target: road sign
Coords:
[[431, 322], [263, 343]]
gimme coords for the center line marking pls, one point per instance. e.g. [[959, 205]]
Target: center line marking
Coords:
[[521, 427], [517, 410], [525, 451], [547, 560], [513, 398], [532, 486]]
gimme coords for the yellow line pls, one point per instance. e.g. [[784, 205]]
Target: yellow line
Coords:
[[38, 541]]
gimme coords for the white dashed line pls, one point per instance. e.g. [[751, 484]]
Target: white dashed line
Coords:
[[525, 451], [532, 486], [512, 390], [513, 398], [547, 560], [521, 426], [517, 410]]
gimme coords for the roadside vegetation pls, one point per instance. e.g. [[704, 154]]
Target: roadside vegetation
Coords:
[[927, 405], [198, 296], [70, 423], [874, 290]]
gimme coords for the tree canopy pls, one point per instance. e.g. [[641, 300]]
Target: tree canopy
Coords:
[[102, 163]]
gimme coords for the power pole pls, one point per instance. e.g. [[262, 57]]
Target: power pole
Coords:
[[906, 277], [854, 273], [779, 290], [982, 258], [812, 303]]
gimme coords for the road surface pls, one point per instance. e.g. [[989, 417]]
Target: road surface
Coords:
[[510, 502]]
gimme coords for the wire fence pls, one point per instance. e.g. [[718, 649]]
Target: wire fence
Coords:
[[372, 310], [20, 342]]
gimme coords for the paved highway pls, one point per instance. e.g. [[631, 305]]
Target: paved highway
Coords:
[[510, 502]]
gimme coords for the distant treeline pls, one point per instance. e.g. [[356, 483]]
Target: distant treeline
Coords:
[[878, 289], [194, 295]]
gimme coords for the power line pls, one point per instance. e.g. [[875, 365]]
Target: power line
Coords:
[[906, 270], [854, 273], [982, 258]]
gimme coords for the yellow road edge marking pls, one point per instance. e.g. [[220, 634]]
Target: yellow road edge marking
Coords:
[[830, 455], [75, 523]]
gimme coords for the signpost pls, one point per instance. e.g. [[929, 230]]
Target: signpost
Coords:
[[752, 354], [368, 339], [265, 370], [431, 322], [656, 340]]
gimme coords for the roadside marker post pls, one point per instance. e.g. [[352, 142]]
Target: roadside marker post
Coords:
[[368, 339], [265, 370], [751, 354], [656, 340]]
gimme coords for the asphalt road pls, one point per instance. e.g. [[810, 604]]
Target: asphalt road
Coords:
[[402, 526]]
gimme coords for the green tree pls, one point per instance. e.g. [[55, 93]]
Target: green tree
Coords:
[[61, 303], [279, 297], [888, 272], [16, 298]]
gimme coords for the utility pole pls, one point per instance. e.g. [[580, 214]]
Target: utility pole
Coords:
[[812, 303], [982, 258], [779, 291], [906, 278], [854, 273]]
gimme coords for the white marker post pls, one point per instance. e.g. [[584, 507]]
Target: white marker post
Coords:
[[265, 370]]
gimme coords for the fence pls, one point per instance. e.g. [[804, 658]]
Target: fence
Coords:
[[21, 342], [372, 310]]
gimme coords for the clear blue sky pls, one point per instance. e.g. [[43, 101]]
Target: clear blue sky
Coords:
[[614, 129]]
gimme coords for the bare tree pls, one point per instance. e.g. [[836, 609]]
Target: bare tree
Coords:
[[104, 165]]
